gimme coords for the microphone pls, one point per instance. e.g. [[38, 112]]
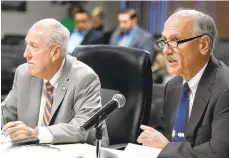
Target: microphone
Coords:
[[118, 101]]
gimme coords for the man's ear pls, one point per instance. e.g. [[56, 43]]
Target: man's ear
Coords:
[[56, 54], [204, 45]]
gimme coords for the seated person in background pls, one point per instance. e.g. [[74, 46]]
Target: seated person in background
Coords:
[[159, 70], [83, 33], [53, 93], [196, 101], [97, 19], [69, 21], [129, 34]]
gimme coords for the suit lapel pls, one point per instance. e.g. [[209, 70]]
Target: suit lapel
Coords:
[[173, 102], [202, 96], [135, 40], [114, 38], [87, 37], [62, 86], [35, 99]]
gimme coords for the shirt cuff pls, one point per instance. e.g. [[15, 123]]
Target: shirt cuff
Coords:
[[45, 136]]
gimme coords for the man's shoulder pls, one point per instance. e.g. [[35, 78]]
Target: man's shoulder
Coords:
[[94, 32], [144, 33], [222, 75], [22, 70], [78, 68]]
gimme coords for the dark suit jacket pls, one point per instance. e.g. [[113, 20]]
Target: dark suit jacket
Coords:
[[92, 37], [207, 132], [141, 40]]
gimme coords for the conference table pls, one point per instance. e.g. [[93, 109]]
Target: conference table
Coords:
[[75, 151]]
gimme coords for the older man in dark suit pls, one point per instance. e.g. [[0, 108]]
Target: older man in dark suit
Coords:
[[196, 101]]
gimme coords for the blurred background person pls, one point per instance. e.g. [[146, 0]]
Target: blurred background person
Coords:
[[159, 70], [129, 34], [68, 21], [97, 19], [83, 33]]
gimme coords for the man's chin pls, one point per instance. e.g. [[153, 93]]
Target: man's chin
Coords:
[[172, 71]]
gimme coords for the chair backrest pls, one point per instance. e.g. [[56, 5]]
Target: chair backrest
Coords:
[[124, 70], [157, 104], [222, 51], [7, 72]]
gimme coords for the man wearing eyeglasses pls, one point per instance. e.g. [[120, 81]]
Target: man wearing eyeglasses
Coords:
[[196, 101]]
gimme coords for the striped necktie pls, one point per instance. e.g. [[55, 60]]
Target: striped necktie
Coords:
[[179, 125], [48, 104]]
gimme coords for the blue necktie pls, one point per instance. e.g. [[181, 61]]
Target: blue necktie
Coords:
[[179, 125]]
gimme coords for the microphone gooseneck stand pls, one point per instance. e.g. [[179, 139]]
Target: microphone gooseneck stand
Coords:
[[99, 133]]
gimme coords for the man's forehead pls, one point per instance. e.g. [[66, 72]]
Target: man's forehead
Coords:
[[125, 16], [81, 16], [37, 31], [179, 25]]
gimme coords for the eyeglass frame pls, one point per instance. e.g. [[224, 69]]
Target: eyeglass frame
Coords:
[[178, 41]]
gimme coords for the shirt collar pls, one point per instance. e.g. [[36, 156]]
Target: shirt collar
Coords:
[[54, 80], [129, 31], [193, 82], [81, 33]]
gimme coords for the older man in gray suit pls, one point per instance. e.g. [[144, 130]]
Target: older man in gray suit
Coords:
[[129, 34], [53, 93]]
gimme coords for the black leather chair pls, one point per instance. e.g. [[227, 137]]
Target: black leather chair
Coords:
[[127, 71], [156, 106], [11, 58], [7, 73], [222, 51]]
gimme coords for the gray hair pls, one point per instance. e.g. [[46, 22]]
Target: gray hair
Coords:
[[57, 33], [204, 24]]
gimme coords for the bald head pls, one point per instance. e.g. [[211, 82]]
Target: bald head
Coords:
[[56, 33], [46, 46], [189, 36], [203, 24]]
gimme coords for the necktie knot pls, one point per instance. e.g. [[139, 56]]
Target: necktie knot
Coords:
[[49, 87], [186, 88]]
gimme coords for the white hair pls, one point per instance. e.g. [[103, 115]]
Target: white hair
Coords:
[[204, 24], [57, 33]]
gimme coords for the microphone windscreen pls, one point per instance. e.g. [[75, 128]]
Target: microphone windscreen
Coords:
[[120, 99]]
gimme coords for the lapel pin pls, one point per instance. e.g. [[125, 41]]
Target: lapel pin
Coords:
[[64, 88]]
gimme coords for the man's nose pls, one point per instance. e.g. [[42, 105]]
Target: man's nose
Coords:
[[27, 54], [167, 50]]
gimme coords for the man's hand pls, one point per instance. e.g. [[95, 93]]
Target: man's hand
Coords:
[[17, 130], [152, 138]]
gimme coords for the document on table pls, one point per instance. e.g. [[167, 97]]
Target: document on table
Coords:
[[139, 151], [5, 139]]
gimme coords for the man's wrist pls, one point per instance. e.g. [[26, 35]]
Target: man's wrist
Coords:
[[35, 132]]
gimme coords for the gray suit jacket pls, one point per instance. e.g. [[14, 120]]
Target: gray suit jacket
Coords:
[[77, 99], [141, 40], [207, 131]]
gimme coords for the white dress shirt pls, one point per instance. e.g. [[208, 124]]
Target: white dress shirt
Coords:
[[193, 84], [45, 135]]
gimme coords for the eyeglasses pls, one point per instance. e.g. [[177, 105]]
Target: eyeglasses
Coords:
[[174, 44]]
